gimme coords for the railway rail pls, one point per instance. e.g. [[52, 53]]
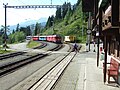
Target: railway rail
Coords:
[[15, 65], [12, 66], [46, 66], [59, 46], [5, 56], [14, 54], [41, 46]]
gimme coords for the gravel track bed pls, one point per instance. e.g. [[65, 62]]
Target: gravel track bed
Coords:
[[36, 76], [21, 78], [15, 59], [21, 74]]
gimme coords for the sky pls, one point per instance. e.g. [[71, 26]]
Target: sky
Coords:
[[15, 16]]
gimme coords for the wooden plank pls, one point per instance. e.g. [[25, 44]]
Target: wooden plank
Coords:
[[50, 78], [107, 19], [115, 59]]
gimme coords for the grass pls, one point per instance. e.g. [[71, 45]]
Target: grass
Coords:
[[33, 44], [3, 51]]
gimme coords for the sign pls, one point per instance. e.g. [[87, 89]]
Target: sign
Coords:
[[88, 31]]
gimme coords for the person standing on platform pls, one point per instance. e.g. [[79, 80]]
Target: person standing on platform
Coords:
[[75, 47]]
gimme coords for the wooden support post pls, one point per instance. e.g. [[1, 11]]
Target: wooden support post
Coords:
[[98, 51], [99, 30], [105, 60], [95, 11], [109, 47]]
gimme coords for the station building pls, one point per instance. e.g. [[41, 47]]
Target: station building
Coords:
[[106, 27]]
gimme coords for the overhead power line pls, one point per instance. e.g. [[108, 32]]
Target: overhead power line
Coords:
[[34, 6]]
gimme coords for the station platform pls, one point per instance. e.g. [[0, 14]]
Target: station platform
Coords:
[[83, 73]]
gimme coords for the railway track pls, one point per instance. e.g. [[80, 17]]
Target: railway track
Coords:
[[10, 67], [44, 66], [5, 56], [49, 79], [59, 46], [41, 46], [14, 54]]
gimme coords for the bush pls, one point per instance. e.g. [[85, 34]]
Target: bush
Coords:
[[16, 37]]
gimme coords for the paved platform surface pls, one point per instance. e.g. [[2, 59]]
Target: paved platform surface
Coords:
[[84, 74]]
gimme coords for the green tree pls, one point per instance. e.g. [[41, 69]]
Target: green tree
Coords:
[[13, 31], [17, 28], [16, 37], [50, 21], [23, 29], [20, 36], [1, 34], [28, 32], [37, 29], [64, 9], [72, 22], [78, 2], [11, 38], [68, 14], [58, 14]]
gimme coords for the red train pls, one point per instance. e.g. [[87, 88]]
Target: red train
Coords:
[[49, 38]]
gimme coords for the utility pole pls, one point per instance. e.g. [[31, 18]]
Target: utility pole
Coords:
[[5, 34], [89, 32]]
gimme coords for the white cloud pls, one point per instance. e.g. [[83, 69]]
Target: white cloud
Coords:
[[15, 16]]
